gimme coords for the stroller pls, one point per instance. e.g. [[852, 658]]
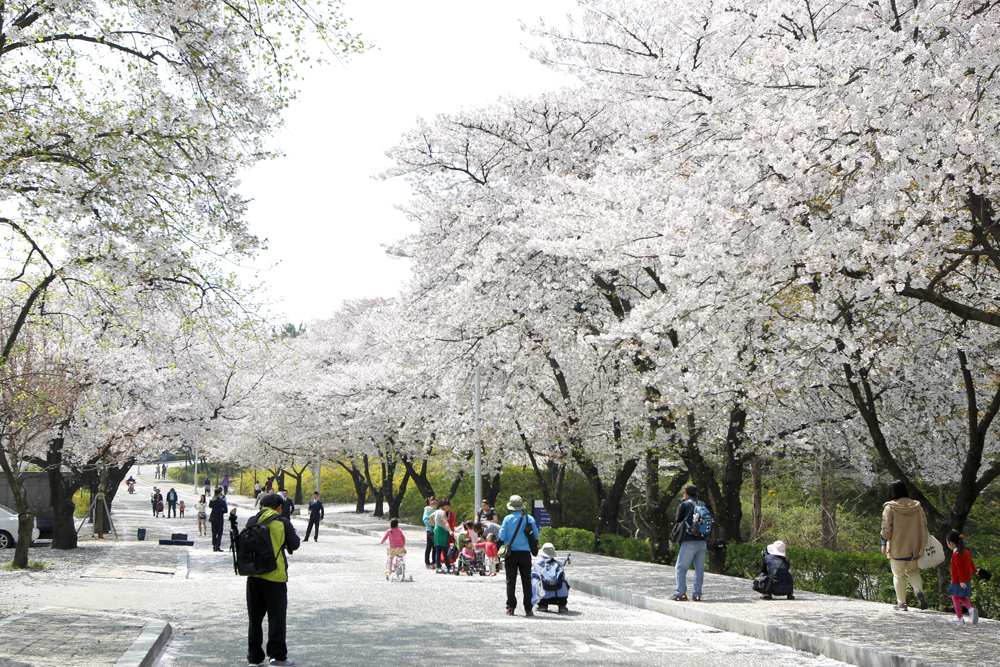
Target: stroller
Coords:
[[473, 565]]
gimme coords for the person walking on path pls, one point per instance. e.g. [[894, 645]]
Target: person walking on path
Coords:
[[287, 506], [267, 594], [208, 487], [171, 503], [777, 566], [432, 505], [518, 560], [217, 517], [692, 549], [154, 499], [225, 485], [904, 533], [202, 509], [315, 515], [962, 569]]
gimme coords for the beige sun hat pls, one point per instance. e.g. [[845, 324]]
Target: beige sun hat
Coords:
[[515, 504], [777, 549], [548, 550]]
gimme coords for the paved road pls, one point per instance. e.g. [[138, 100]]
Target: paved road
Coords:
[[343, 612]]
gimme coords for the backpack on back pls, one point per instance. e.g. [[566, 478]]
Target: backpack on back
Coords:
[[700, 523], [253, 552], [552, 575]]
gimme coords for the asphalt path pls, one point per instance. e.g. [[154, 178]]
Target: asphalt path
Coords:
[[342, 611]]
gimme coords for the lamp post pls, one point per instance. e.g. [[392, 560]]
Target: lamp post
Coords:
[[479, 449]]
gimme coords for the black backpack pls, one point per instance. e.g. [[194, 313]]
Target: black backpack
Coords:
[[253, 552]]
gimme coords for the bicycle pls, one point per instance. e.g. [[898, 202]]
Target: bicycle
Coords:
[[395, 567]]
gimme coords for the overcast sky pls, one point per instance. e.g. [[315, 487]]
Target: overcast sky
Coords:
[[322, 212]]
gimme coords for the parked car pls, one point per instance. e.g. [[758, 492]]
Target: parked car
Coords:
[[8, 528]]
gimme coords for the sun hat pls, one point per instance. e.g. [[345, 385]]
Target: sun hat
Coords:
[[515, 504], [776, 549], [548, 550]]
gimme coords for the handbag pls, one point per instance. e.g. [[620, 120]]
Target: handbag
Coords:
[[762, 584], [504, 549], [932, 555]]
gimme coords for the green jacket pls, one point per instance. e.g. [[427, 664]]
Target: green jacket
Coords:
[[282, 535]]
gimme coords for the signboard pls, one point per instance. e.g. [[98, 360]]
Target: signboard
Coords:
[[541, 515]]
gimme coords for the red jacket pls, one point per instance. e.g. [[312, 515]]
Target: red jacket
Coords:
[[962, 567]]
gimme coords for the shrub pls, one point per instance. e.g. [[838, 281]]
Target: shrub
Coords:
[[568, 539], [628, 548]]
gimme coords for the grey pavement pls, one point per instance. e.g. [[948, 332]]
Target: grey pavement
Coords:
[[852, 631], [342, 611]]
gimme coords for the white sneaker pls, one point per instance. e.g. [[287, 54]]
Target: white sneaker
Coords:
[[974, 613], [957, 621]]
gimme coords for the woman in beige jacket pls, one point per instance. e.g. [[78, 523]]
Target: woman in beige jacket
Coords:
[[904, 532]]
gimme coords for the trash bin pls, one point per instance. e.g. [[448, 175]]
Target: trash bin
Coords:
[[142, 534]]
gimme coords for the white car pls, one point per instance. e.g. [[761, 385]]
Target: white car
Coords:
[[8, 528]]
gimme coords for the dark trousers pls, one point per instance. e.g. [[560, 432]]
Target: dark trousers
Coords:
[[518, 561], [440, 556], [312, 522], [429, 551], [266, 598], [172, 508], [217, 533]]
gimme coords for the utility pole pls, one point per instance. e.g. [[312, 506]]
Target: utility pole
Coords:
[[479, 453]]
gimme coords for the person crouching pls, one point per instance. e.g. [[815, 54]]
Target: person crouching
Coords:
[[777, 567]]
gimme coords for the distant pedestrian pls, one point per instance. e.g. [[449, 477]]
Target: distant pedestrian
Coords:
[[518, 561], [208, 487], [442, 535], [171, 503], [315, 515], [777, 566], [180, 507], [202, 509], [692, 548], [287, 506], [904, 533], [962, 569], [432, 505], [157, 500], [490, 549], [267, 594], [217, 517], [225, 485], [257, 488]]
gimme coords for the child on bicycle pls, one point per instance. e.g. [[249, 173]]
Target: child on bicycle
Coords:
[[397, 545]]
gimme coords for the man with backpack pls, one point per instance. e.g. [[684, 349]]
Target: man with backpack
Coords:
[[693, 526], [262, 558]]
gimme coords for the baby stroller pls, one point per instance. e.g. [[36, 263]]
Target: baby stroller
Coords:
[[470, 565]]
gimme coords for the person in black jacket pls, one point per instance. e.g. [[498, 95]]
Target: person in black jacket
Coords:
[[776, 566], [287, 506], [218, 508], [315, 516], [171, 503]]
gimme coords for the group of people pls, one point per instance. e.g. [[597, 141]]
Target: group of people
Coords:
[[173, 503], [451, 546], [903, 533]]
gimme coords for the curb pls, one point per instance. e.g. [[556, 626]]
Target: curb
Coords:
[[147, 646], [835, 649]]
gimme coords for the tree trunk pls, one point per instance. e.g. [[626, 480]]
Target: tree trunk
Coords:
[[491, 488], [827, 502], [360, 486], [419, 477], [25, 516], [377, 491], [757, 514], [661, 520], [551, 486], [396, 498]]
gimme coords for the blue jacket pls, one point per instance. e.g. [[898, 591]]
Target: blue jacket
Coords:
[[517, 542]]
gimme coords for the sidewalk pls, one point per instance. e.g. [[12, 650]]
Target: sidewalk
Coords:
[[57, 637], [862, 633]]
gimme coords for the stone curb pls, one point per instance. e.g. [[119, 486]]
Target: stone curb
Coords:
[[837, 649], [147, 646]]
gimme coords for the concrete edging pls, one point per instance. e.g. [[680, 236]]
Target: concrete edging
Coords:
[[147, 646], [801, 641]]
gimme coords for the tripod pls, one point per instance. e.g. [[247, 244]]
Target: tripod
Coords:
[[99, 519]]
